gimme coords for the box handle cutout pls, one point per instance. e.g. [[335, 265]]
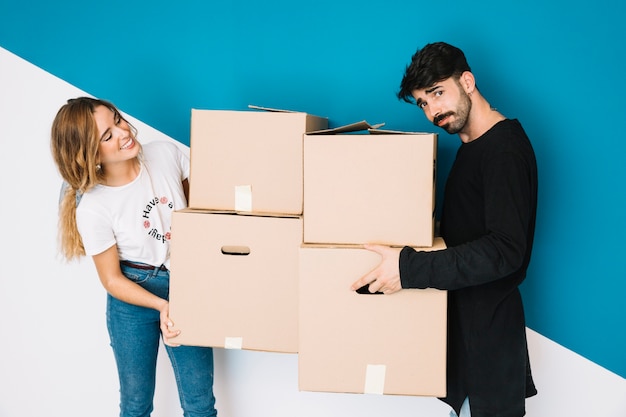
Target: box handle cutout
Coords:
[[236, 250], [366, 291]]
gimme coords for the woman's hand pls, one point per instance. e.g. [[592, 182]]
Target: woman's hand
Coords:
[[167, 326]]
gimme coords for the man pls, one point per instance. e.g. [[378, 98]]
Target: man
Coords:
[[488, 222]]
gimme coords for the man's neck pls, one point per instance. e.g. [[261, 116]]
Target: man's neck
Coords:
[[482, 118]]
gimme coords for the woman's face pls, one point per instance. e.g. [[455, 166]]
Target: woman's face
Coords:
[[117, 143]]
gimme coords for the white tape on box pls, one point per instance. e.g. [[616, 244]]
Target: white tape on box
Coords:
[[243, 198], [233, 342], [375, 379]]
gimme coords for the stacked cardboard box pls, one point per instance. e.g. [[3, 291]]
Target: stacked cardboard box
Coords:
[[234, 280], [367, 343], [264, 257], [234, 252], [360, 188], [249, 161]]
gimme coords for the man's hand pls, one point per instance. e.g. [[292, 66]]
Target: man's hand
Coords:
[[385, 277]]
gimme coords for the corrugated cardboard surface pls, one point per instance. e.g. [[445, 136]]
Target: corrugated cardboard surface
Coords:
[[357, 343], [369, 189], [222, 300], [261, 150]]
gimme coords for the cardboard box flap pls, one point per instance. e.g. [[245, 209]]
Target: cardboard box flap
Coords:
[[273, 110], [376, 131], [352, 127], [252, 106]]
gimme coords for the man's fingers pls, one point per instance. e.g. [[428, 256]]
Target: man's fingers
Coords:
[[376, 286], [364, 280]]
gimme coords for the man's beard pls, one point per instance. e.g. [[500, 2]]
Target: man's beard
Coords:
[[460, 115]]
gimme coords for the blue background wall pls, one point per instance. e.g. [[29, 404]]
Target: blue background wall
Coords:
[[556, 66]]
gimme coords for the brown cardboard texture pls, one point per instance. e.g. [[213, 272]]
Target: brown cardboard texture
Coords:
[[248, 161], [234, 280], [359, 343], [370, 188]]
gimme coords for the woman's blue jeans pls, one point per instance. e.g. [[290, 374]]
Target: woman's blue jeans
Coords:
[[135, 336]]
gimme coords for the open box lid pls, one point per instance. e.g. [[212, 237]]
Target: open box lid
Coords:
[[364, 126], [350, 128], [395, 132], [273, 110], [269, 109]]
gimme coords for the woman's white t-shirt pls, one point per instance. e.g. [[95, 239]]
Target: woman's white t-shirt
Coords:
[[137, 216]]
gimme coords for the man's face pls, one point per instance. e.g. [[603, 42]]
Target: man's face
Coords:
[[445, 104]]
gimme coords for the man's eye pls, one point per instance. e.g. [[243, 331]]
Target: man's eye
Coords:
[[438, 93], [421, 105]]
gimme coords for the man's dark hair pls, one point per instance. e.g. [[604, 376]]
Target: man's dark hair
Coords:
[[435, 62]]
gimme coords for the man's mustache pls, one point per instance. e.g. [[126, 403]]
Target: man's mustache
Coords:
[[439, 118]]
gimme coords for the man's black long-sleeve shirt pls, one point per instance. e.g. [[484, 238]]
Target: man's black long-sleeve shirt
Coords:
[[488, 222]]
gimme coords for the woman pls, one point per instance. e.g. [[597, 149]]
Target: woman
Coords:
[[116, 207]]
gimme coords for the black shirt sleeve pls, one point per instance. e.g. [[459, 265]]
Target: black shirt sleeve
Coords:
[[491, 227]]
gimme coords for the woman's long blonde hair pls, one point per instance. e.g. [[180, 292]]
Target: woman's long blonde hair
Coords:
[[74, 144]]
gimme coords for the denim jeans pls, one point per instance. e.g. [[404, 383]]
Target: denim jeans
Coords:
[[135, 336]]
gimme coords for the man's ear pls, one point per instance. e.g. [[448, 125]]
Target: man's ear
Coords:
[[468, 82]]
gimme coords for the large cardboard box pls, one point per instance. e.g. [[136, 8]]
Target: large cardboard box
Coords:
[[370, 188], [248, 161], [234, 280], [367, 343]]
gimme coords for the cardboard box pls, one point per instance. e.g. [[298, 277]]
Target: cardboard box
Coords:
[[358, 343], [370, 188], [248, 161], [234, 280]]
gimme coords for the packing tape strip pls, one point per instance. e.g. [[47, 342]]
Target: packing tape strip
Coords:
[[233, 342], [243, 198], [375, 379]]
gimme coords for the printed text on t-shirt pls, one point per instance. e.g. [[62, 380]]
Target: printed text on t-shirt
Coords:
[[154, 232]]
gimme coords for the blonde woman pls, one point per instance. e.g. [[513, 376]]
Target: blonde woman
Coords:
[[116, 207]]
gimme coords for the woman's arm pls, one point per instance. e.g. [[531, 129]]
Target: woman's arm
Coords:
[[108, 267], [186, 189]]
